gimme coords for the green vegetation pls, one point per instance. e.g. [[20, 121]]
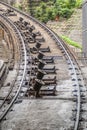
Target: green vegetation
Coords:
[[50, 9], [19, 6], [22, 5], [79, 3], [70, 42], [54, 9]]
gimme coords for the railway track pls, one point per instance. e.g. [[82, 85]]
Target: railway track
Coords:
[[37, 71]]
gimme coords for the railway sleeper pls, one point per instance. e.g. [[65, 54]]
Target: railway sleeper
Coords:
[[3, 98], [27, 37], [47, 81], [21, 19], [41, 49], [26, 34], [40, 39], [10, 14], [44, 79], [22, 27], [48, 57], [49, 91], [47, 70], [41, 64], [31, 28], [25, 23], [40, 74], [38, 45], [45, 60], [50, 71], [18, 101], [40, 55], [50, 82], [37, 33], [28, 27], [45, 49], [50, 79], [29, 40], [11, 66], [49, 61], [33, 34], [18, 23], [39, 86], [34, 72], [45, 90]]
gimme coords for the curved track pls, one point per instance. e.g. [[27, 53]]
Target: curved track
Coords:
[[23, 73], [74, 68]]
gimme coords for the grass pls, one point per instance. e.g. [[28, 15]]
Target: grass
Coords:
[[70, 42]]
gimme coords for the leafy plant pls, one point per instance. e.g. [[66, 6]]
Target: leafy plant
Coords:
[[79, 3], [70, 42], [19, 6], [51, 9], [66, 12]]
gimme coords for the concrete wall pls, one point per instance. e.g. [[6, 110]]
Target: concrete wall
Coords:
[[84, 28]]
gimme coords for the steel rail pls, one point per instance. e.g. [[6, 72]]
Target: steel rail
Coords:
[[10, 37], [16, 95], [76, 125], [12, 86], [74, 71]]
